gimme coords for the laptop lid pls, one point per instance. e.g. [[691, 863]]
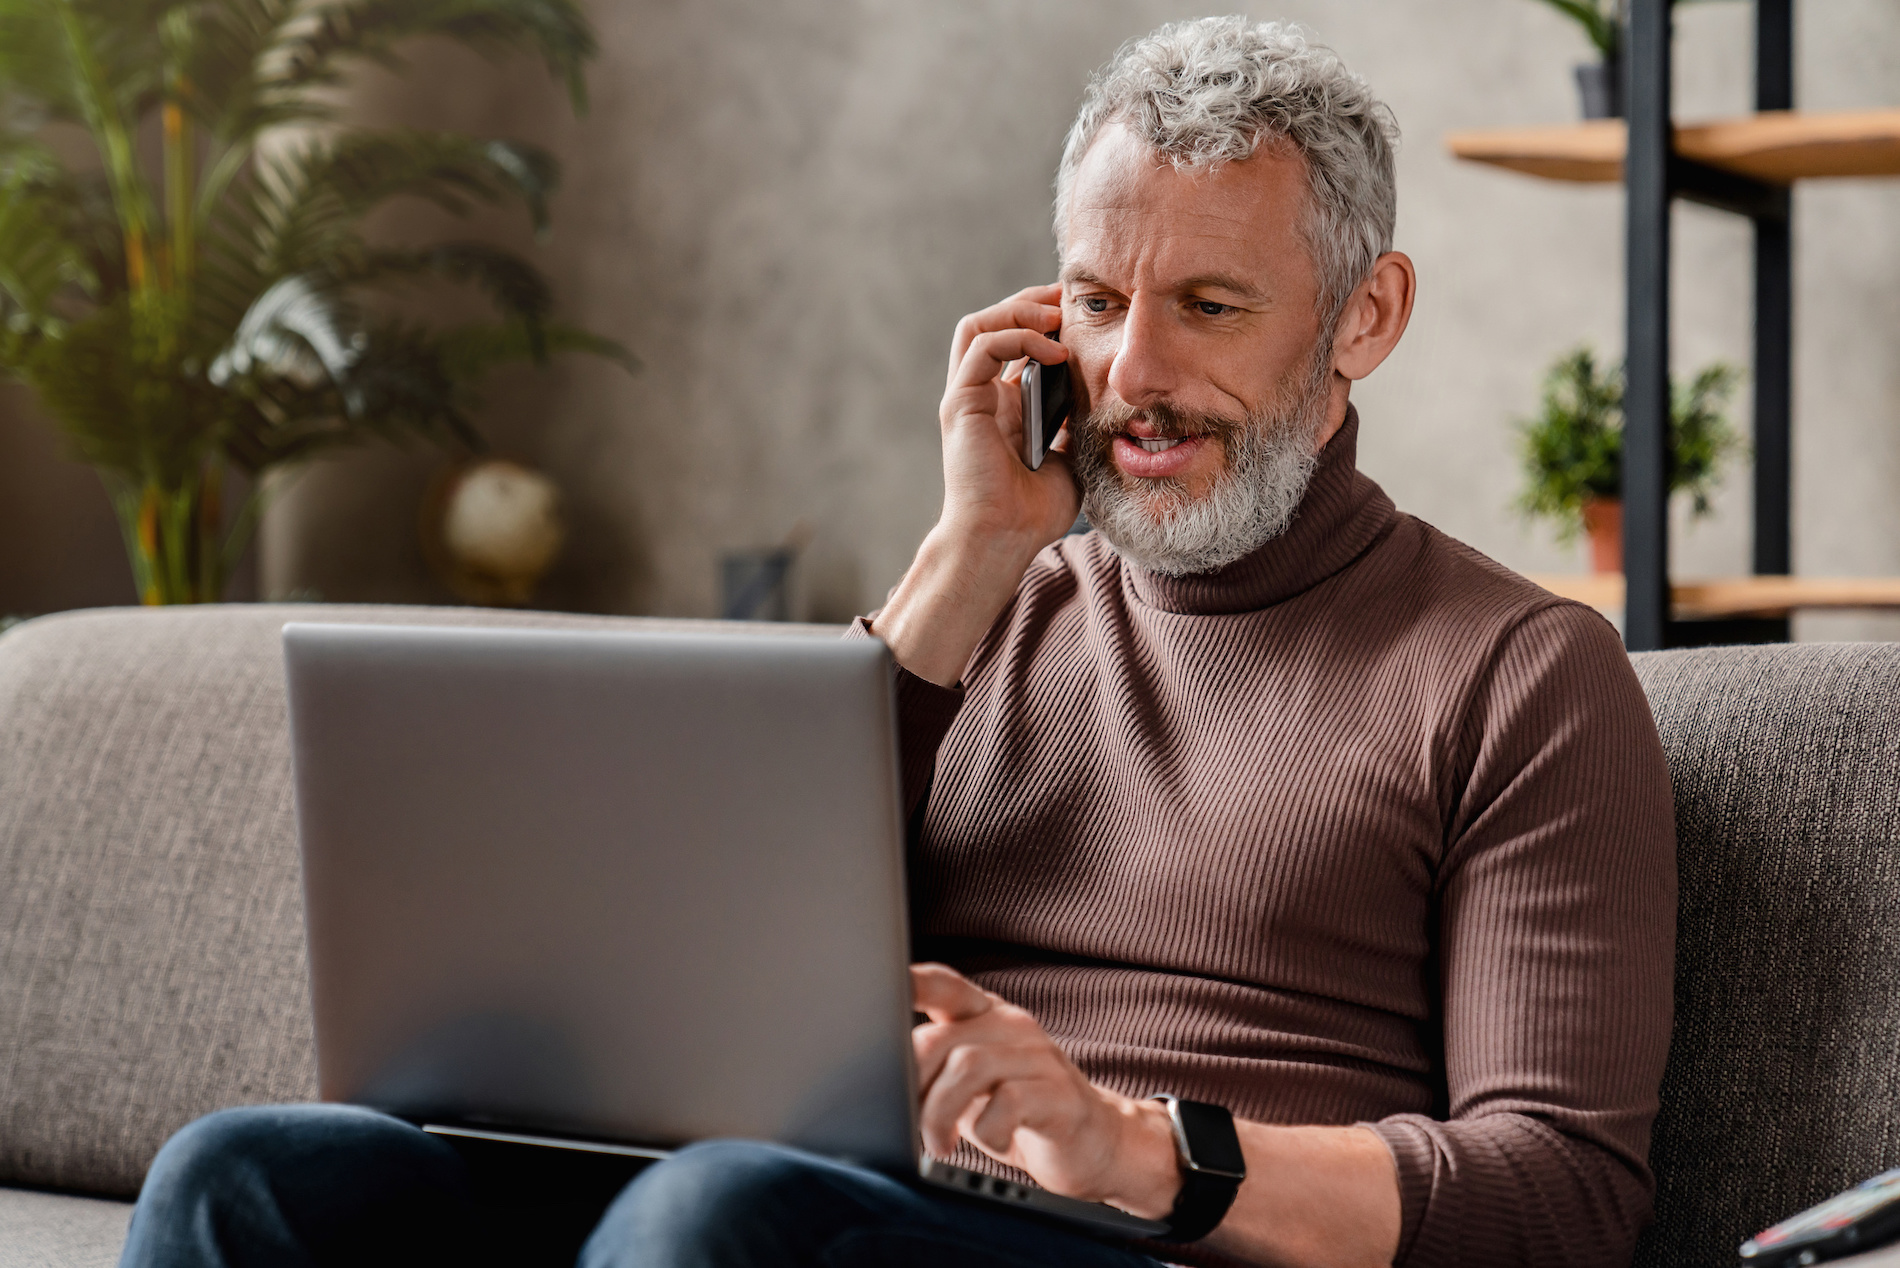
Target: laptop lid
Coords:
[[633, 887]]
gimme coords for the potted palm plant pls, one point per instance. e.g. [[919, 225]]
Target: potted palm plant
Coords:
[[195, 299], [1573, 449]]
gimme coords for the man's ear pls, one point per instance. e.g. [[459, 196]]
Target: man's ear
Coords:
[[1375, 316]]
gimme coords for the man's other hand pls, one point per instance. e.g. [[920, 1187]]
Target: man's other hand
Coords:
[[997, 513], [989, 1075], [1327, 1197]]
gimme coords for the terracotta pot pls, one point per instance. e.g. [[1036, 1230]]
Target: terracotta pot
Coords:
[[1603, 521]]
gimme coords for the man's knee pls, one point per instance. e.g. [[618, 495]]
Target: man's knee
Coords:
[[253, 1133], [709, 1183], [214, 1145], [216, 1151], [277, 1183], [729, 1201]]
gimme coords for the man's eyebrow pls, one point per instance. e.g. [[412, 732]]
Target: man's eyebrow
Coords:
[[1203, 282], [1224, 282]]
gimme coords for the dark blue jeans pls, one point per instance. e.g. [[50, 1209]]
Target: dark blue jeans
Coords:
[[305, 1185]]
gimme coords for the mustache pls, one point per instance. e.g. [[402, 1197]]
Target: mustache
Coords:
[[1168, 421]]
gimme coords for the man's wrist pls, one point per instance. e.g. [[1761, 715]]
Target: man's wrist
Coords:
[[953, 592], [987, 558], [1147, 1174]]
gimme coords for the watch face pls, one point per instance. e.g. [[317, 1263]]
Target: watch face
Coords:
[[1212, 1142]]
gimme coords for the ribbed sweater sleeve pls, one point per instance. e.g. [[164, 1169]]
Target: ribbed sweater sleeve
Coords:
[[924, 714], [1555, 913]]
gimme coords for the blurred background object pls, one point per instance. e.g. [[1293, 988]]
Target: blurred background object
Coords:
[[493, 527], [184, 284], [1599, 83], [756, 585]]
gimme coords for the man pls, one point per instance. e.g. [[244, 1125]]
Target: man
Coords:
[[1262, 794]]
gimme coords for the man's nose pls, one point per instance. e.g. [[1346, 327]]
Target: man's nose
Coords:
[[1145, 368]]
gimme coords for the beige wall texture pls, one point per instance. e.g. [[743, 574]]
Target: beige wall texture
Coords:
[[783, 209]]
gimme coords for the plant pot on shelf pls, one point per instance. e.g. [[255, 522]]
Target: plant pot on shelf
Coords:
[[1600, 89], [1603, 522]]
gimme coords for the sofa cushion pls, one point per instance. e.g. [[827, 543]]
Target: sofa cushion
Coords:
[[151, 921], [59, 1230], [1783, 1084]]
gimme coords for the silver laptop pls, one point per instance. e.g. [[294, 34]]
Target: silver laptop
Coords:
[[614, 891]]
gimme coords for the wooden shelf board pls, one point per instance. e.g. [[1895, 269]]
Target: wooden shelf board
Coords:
[[1779, 146], [1736, 596], [1590, 151]]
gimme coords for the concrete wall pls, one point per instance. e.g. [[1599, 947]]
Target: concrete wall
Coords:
[[59, 543], [783, 210]]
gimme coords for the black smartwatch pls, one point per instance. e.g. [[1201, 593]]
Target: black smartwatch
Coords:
[[1212, 1167]]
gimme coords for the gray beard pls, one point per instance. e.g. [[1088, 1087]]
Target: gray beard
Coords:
[[1270, 457]]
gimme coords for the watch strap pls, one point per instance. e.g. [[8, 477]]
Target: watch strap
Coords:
[[1212, 1167]]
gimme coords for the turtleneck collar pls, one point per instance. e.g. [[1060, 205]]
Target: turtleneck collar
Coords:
[[1342, 514]]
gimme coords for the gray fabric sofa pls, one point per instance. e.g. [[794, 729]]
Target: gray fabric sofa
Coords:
[[151, 957]]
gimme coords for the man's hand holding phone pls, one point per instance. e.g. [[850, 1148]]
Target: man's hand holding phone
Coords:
[[997, 513]]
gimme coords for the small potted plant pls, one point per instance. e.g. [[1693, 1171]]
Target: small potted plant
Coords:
[[1599, 83], [1573, 449]]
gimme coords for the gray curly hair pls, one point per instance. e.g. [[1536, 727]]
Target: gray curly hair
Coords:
[[1212, 90]]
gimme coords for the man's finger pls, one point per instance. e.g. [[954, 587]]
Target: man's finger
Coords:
[[1033, 308], [1012, 313], [991, 1126], [943, 994], [934, 1041], [990, 351], [973, 1073]]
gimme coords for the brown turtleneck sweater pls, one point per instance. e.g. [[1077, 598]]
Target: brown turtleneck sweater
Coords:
[[1364, 828]]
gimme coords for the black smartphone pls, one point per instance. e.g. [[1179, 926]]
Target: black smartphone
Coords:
[[1866, 1216], [1048, 399]]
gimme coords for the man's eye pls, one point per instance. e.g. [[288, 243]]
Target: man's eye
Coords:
[[1095, 303], [1209, 308]]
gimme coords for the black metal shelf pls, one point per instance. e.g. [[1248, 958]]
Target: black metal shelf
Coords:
[[1654, 176]]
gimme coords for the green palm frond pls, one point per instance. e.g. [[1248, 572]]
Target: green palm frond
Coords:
[[37, 261], [472, 350], [89, 380], [408, 390], [306, 206], [515, 287], [127, 41], [86, 381], [363, 169], [371, 29], [410, 382], [399, 387], [35, 69], [69, 221], [220, 66], [22, 157], [303, 329]]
